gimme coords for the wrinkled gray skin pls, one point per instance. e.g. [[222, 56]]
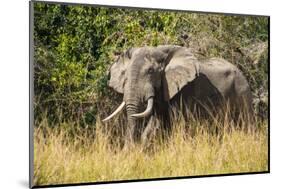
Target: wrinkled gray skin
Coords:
[[170, 75]]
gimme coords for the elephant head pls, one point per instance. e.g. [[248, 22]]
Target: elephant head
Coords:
[[143, 74]]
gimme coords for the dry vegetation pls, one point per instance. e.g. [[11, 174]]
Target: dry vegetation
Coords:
[[202, 148]]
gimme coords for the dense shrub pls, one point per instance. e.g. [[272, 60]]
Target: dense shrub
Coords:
[[74, 46]]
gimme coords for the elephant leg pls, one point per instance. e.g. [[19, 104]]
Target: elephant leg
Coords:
[[150, 131]]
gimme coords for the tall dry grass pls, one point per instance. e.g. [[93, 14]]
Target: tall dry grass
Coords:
[[69, 154]]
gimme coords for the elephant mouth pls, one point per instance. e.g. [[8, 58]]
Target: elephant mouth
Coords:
[[145, 113]]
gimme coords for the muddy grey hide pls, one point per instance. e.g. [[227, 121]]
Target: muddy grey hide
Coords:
[[156, 80]]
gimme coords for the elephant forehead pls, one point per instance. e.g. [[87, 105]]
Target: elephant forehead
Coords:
[[141, 58], [138, 60]]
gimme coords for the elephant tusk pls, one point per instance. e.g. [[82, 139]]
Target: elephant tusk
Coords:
[[122, 105], [147, 111]]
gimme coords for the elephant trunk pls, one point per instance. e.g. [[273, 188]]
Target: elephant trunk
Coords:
[[131, 108], [134, 96], [133, 114]]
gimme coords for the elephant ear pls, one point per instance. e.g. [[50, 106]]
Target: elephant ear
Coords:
[[118, 70], [181, 69]]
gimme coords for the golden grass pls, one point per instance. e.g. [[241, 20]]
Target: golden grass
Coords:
[[61, 157]]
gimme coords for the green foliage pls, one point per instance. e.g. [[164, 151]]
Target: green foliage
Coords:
[[75, 45]]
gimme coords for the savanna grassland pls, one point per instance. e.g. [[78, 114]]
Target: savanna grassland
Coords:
[[74, 46], [97, 155]]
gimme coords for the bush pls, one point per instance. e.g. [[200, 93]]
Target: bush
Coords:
[[75, 45]]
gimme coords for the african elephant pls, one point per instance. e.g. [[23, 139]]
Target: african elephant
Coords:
[[160, 77]]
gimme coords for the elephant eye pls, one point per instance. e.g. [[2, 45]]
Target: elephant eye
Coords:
[[150, 70]]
